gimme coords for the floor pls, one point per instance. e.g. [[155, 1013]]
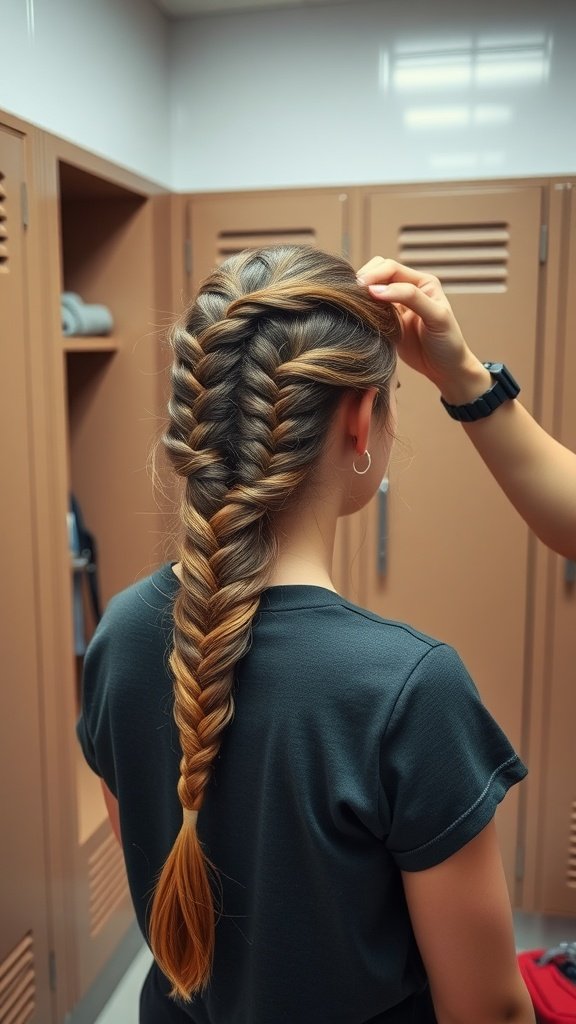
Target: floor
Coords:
[[532, 932], [123, 1006]]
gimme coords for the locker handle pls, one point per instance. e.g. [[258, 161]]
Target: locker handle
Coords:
[[569, 571], [382, 548]]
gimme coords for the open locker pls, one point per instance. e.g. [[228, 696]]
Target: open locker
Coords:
[[103, 224]]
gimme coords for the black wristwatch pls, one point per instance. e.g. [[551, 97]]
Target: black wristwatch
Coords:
[[503, 389]]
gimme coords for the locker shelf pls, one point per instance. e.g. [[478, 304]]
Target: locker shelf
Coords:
[[90, 344]]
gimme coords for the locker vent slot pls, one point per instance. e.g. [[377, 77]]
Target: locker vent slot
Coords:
[[18, 984], [3, 230], [571, 874], [107, 883], [231, 242], [465, 257]]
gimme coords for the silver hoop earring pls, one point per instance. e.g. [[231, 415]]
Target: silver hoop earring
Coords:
[[362, 472]]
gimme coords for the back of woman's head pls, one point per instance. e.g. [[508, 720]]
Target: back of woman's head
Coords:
[[261, 360]]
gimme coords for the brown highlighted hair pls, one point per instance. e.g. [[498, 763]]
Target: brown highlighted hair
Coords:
[[261, 359]]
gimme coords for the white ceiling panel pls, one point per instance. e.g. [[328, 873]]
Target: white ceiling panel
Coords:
[[189, 8]]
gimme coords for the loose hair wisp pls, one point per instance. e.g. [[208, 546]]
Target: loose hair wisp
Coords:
[[259, 362]]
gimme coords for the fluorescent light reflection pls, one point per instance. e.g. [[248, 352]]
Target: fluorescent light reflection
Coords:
[[430, 46], [437, 117], [534, 40], [30, 20], [432, 73], [461, 63], [457, 116], [516, 69], [384, 70]]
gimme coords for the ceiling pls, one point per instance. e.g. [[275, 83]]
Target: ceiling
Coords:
[[188, 8]]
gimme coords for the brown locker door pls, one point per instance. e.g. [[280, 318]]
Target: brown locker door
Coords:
[[24, 982], [456, 563], [222, 225], [557, 825]]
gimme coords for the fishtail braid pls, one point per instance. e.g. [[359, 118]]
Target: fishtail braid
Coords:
[[259, 364]]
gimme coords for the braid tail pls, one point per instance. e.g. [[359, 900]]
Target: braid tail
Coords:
[[182, 926]]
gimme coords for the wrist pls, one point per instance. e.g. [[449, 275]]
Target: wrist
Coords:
[[502, 389], [467, 384]]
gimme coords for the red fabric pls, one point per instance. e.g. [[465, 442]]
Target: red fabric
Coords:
[[553, 995]]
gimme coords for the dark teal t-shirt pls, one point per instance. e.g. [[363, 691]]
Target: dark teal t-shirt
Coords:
[[359, 748]]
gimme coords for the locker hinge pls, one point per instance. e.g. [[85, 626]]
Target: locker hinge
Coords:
[[52, 970], [188, 256], [24, 203], [345, 245], [520, 863], [543, 243]]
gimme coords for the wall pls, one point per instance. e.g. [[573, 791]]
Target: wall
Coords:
[[94, 72], [337, 94], [379, 91]]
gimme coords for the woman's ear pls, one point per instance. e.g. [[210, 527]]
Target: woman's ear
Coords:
[[359, 418]]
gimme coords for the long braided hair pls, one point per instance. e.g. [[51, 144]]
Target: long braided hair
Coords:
[[261, 359]]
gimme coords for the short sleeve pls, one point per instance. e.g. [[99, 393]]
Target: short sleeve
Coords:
[[445, 764], [86, 743], [91, 727]]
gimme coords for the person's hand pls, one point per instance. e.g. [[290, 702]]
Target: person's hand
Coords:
[[431, 341]]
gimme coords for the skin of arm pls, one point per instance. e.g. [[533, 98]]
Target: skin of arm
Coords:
[[462, 919], [112, 808], [536, 472]]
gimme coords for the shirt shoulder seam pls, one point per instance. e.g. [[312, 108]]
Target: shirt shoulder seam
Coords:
[[364, 613]]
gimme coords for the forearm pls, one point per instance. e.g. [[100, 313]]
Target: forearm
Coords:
[[517, 1008], [535, 471], [511, 1015]]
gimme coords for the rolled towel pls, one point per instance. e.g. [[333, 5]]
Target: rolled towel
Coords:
[[71, 300], [79, 318], [69, 321], [70, 308], [95, 320]]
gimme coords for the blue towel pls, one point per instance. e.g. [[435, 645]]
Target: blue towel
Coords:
[[80, 318]]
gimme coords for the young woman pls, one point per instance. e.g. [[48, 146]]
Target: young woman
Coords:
[[304, 791]]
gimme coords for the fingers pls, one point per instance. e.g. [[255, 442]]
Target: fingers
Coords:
[[385, 271], [380, 269], [368, 268], [432, 340], [434, 314]]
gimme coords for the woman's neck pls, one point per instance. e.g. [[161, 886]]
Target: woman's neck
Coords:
[[305, 536]]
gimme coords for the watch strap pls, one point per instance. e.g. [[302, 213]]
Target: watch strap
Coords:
[[503, 390]]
